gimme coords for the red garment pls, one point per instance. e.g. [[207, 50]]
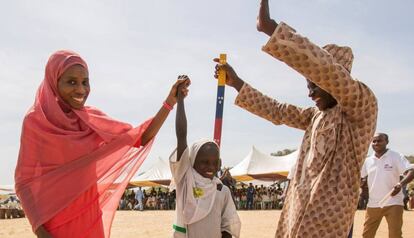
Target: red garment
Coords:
[[73, 167]]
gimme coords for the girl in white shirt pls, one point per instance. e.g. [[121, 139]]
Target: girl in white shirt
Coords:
[[204, 206]]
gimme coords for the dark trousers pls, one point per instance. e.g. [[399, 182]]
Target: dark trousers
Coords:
[[249, 203], [351, 231]]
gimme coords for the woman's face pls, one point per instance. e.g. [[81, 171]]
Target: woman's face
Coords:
[[73, 86]]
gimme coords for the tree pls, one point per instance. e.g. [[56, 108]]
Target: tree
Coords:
[[282, 152]]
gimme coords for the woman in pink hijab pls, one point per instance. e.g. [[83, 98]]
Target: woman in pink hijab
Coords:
[[75, 161]]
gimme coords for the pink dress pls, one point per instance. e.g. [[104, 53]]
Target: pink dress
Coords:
[[74, 165]]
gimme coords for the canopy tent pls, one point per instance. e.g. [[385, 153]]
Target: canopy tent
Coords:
[[256, 166], [7, 189], [259, 166], [159, 174]]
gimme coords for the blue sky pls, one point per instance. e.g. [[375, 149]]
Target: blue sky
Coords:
[[136, 49]]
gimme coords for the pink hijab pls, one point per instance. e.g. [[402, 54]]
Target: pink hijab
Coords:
[[63, 154]]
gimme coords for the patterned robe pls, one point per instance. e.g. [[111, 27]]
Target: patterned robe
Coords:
[[323, 193]]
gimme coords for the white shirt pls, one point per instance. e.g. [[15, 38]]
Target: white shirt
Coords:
[[139, 195], [383, 174], [292, 171], [221, 217]]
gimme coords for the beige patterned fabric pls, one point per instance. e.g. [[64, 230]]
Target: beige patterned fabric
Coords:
[[341, 55], [323, 193]]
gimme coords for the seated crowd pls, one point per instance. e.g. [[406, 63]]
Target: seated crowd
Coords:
[[258, 197], [10, 207], [163, 199], [152, 200]]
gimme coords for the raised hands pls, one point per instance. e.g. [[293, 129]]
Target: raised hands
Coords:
[[180, 117], [180, 87], [264, 23], [231, 77], [182, 90]]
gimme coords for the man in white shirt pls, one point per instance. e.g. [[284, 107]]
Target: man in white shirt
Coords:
[[383, 170], [139, 196]]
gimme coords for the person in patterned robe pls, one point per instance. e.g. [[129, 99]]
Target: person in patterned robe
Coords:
[[323, 194]]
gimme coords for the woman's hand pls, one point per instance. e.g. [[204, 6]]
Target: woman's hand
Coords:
[[231, 77], [181, 85]]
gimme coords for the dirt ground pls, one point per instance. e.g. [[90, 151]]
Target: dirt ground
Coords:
[[157, 224]]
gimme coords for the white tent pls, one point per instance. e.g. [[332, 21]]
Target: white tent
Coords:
[[159, 174], [255, 166], [7, 189], [259, 166]]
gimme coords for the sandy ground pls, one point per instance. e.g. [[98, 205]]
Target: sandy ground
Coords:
[[157, 224]]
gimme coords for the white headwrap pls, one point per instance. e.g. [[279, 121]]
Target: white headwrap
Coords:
[[198, 193]]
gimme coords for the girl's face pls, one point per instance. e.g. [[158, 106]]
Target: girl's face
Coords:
[[73, 86], [207, 160]]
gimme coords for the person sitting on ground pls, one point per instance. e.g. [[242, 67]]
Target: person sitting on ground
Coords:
[[122, 203], [205, 208], [266, 202], [153, 192], [171, 200], [243, 200], [237, 198]]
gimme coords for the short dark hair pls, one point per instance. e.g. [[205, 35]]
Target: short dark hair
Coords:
[[384, 135]]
